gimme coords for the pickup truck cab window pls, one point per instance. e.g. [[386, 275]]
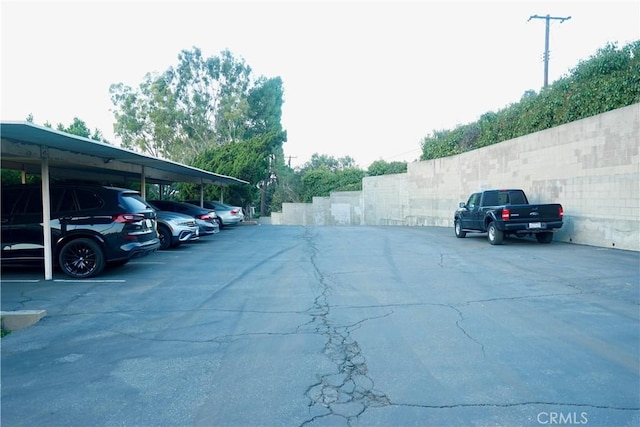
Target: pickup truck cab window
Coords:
[[474, 201], [491, 198], [517, 198]]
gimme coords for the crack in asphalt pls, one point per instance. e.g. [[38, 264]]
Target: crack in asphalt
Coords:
[[349, 391], [516, 404], [459, 326]]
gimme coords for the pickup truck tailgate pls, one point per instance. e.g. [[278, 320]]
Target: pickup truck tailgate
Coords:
[[534, 216]]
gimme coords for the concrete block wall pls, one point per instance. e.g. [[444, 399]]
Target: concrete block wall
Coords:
[[294, 214], [590, 166], [385, 199], [346, 208], [340, 208]]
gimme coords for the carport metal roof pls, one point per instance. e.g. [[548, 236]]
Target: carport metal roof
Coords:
[[25, 144], [40, 150]]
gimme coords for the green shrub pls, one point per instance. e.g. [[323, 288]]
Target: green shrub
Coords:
[[608, 80]]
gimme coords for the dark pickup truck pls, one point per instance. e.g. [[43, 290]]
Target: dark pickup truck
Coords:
[[503, 212]]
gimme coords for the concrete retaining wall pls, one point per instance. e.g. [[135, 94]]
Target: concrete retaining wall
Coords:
[[591, 166]]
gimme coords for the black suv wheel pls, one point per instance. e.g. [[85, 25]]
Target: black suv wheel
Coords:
[[81, 258]]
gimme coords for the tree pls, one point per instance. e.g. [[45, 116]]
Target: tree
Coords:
[[381, 167], [212, 96], [80, 128], [318, 161], [265, 107], [349, 179], [77, 127], [147, 119], [288, 188], [264, 117], [323, 174], [318, 183], [210, 113], [248, 160], [201, 103]]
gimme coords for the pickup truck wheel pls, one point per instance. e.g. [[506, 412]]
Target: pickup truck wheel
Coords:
[[544, 237], [494, 235], [458, 229]]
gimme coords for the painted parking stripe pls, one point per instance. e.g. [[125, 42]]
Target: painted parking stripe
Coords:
[[20, 281], [147, 263], [91, 281]]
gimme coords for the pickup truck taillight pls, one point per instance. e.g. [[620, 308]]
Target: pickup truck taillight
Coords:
[[561, 212], [505, 214]]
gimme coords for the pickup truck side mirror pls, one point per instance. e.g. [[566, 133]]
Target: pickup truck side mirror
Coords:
[[462, 205]]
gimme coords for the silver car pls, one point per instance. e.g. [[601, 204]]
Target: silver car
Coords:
[[227, 214], [206, 219], [175, 229]]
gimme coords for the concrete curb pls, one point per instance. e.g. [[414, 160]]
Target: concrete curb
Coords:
[[15, 320]]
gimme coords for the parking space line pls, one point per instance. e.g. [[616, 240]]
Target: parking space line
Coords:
[[91, 281], [19, 281], [147, 263]]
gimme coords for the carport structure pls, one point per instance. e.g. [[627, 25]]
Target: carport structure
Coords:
[[35, 149]]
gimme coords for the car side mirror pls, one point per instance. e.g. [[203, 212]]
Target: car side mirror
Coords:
[[462, 205]]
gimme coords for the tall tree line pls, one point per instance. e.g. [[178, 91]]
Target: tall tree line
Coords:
[[208, 112]]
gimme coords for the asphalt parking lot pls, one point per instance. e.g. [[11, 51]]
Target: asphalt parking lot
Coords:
[[321, 326]]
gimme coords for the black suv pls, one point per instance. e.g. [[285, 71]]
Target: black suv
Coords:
[[90, 226]]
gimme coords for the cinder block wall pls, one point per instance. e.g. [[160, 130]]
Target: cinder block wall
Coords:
[[590, 166], [340, 208]]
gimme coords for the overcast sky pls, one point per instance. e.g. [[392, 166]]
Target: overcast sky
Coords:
[[366, 79]]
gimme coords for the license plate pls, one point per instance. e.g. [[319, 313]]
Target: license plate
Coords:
[[149, 223], [535, 225]]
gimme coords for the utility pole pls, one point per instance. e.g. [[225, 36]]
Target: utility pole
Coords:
[[262, 185], [546, 41]]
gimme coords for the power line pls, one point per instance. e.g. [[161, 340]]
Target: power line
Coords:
[[415, 150], [546, 41]]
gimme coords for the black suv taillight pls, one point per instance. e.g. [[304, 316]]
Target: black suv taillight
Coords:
[[128, 218]]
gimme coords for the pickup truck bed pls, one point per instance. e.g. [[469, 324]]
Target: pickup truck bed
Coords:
[[507, 212]]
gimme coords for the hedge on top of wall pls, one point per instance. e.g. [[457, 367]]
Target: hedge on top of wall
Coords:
[[608, 80]]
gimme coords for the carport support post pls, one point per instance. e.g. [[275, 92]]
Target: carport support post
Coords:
[[46, 214], [143, 185]]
